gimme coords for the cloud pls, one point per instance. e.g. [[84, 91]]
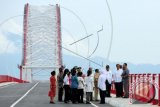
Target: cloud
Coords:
[[7, 46], [79, 47], [12, 26]]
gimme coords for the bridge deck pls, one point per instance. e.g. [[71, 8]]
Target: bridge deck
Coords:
[[35, 98]]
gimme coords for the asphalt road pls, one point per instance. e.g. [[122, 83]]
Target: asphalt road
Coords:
[[9, 94], [38, 97]]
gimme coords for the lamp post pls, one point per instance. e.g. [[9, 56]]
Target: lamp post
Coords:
[[81, 39], [97, 43]]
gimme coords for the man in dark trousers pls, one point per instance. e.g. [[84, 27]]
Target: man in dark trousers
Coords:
[[60, 84], [125, 79], [109, 76], [118, 81], [90, 70]]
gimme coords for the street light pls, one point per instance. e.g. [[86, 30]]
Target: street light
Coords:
[[81, 39], [97, 43]]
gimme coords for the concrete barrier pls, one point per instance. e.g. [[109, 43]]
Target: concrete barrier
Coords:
[[6, 78]]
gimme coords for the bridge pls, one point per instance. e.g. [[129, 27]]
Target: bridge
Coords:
[[42, 52]]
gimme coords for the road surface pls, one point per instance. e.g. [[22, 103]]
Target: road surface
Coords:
[[34, 95]]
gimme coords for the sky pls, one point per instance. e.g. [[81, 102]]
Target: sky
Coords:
[[136, 27]]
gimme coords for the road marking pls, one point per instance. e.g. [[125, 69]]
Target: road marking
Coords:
[[94, 105], [24, 95]]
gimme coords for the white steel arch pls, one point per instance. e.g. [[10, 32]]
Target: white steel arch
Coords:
[[42, 40]]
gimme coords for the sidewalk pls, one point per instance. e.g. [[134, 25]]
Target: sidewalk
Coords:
[[121, 102], [7, 83]]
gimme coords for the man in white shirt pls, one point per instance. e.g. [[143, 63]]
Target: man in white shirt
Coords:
[[118, 81], [102, 85], [108, 81], [67, 89]]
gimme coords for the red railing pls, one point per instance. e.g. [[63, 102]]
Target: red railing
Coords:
[[6, 78], [143, 84]]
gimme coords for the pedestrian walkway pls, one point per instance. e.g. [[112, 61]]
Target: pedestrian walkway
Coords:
[[121, 102]]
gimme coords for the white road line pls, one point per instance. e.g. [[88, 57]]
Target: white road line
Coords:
[[24, 95], [94, 105]]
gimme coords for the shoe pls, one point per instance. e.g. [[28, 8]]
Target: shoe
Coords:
[[125, 97], [88, 103], [66, 102], [101, 103], [108, 96], [51, 102]]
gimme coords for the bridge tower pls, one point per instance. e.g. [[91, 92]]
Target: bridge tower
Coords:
[[41, 40]]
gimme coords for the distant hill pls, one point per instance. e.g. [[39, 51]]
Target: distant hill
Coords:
[[71, 61], [8, 65]]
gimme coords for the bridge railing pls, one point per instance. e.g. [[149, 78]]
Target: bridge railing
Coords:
[[143, 87], [6, 78]]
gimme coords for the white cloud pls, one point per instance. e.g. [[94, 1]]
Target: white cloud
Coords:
[[79, 48], [6, 46], [12, 26]]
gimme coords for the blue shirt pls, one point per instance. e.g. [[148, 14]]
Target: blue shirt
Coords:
[[74, 82]]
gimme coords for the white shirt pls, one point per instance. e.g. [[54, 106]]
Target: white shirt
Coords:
[[89, 83], [102, 80], [66, 80], [80, 83], [117, 75], [109, 76]]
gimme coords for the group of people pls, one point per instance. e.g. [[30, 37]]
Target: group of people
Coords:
[[73, 84]]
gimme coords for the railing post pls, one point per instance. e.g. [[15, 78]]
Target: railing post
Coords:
[[153, 82], [131, 78], [148, 83], [139, 75], [143, 83], [135, 75], [130, 87]]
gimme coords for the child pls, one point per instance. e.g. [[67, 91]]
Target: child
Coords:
[[52, 91], [89, 86], [80, 87]]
